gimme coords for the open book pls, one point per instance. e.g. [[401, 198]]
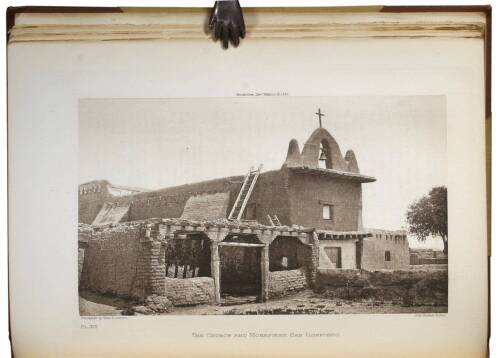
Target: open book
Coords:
[[320, 190]]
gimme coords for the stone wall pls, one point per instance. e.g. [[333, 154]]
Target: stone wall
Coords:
[[412, 287], [282, 283], [306, 205], [190, 291], [374, 249], [125, 260], [427, 257]]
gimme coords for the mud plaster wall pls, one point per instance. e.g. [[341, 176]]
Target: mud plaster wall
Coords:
[[374, 248], [84, 236], [89, 205], [170, 202], [163, 203], [282, 283], [308, 193], [190, 291], [122, 261], [270, 197], [347, 252]]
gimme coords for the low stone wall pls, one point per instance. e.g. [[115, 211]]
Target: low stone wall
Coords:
[[190, 291], [282, 283], [411, 287], [425, 261]]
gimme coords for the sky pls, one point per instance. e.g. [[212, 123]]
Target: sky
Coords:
[[156, 143]]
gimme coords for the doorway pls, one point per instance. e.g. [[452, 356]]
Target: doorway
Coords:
[[240, 269], [335, 256]]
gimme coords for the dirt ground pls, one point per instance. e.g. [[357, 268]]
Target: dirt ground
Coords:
[[306, 302], [92, 304]]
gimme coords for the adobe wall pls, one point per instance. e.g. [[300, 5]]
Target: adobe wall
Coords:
[[411, 287], [190, 291], [124, 261], [299, 257], [89, 204], [347, 251], [306, 205], [270, 197], [163, 203], [373, 253], [282, 283], [84, 236], [170, 202]]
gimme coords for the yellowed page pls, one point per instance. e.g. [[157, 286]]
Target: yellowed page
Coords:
[[48, 79]]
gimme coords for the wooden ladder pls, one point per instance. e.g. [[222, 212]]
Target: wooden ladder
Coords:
[[245, 192], [274, 220]]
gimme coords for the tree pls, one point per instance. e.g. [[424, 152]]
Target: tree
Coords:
[[428, 216]]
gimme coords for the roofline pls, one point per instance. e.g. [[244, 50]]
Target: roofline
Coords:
[[360, 178], [130, 188]]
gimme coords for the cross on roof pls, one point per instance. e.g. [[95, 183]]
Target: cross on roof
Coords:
[[319, 116]]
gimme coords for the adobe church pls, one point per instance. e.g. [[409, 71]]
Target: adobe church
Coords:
[[271, 230]]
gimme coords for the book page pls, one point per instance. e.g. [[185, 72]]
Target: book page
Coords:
[[136, 118]]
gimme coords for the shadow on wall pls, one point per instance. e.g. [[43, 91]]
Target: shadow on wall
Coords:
[[288, 253]]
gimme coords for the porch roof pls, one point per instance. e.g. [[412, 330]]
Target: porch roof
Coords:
[[342, 235], [218, 229]]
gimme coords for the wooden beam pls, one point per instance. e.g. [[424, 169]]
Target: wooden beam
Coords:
[[241, 244]]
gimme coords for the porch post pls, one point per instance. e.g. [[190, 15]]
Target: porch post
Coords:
[[215, 268], [264, 269], [313, 271]]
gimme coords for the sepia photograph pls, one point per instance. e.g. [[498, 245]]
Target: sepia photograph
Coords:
[[241, 181], [262, 205]]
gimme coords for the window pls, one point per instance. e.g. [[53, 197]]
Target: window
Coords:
[[327, 212], [387, 256]]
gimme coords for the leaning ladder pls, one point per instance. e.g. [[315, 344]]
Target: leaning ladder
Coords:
[[273, 220], [245, 192]]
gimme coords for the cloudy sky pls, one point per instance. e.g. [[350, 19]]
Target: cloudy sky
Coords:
[[156, 143]]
